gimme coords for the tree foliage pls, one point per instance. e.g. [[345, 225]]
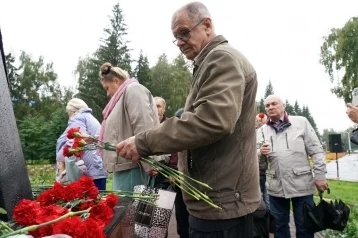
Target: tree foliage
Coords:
[[113, 49], [339, 56]]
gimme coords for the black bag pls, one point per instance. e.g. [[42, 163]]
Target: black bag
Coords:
[[326, 215], [354, 136]]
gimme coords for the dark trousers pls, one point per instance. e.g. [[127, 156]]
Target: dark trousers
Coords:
[[181, 215], [264, 191], [100, 183], [241, 227], [280, 209]]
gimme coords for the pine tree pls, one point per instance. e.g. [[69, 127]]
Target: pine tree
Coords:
[[297, 109], [289, 108], [114, 50], [269, 90], [142, 71], [261, 106]]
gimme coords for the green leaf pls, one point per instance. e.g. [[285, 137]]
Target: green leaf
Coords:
[[2, 211]]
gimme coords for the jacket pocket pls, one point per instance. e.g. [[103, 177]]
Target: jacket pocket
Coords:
[[301, 171], [302, 179]]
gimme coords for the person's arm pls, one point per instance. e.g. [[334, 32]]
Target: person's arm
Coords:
[[315, 150], [140, 112], [352, 112], [214, 115]]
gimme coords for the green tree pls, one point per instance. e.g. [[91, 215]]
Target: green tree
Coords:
[[113, 49], [306, 113], [12, 72], [178, 85], [297, 109], [289, 108], [34, 87], [261, 106], [161, 75], [339, 57], [142, 71], [89, 87], [269, 90], [39, 135]]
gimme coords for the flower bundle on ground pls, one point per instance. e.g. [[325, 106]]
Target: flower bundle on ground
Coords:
[[77, 209]]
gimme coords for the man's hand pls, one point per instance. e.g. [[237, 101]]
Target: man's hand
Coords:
[[321, 185], [265, 149], [128, 150], [352, 112], [152, 172]]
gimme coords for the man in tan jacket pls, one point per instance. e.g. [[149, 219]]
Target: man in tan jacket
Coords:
[[216, 131]]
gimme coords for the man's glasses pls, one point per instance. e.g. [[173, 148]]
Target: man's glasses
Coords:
[[185, 34]]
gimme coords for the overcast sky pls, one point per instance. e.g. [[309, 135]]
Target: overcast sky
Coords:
[[282, 39]]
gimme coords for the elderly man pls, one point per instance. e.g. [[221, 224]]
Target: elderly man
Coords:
[[286, 143], [216, 131], [160, 102]]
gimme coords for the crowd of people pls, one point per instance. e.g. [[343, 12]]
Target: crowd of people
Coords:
[[257, 164]]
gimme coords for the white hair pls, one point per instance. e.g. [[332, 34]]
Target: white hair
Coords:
[[160, 98], [274, 97], [75, 105]]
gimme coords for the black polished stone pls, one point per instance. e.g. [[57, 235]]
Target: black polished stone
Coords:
[[14, 180]]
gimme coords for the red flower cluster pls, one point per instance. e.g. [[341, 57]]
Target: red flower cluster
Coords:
[[78, 144], [79, 195]]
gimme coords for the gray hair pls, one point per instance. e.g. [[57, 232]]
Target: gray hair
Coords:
[[160, 98], [194, 10], [274, 97]]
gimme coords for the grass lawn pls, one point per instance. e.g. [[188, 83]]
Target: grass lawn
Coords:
[[346, 191]]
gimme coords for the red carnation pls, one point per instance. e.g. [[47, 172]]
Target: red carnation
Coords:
[[86, 205], [111, 200], [73, 132], [69, 226], [66, 152], [92, 193], [261, 115], [47, 198], [90, 228], [49, 213], [25, 212], [86, 182], [101, 212], [74, 190]]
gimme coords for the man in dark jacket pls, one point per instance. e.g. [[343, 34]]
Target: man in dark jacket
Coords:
[[216, 132]]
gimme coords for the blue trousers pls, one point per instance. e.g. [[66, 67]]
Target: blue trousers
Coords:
[[100, 183], [280, 209]]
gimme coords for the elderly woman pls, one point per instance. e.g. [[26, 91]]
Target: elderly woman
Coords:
[[130, 111], [81, 116]]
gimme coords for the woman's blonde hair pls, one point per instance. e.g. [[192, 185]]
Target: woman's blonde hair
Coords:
[[108, 72]]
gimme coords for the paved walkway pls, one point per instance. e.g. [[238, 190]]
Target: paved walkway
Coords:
[[348, 168], [172, 233]]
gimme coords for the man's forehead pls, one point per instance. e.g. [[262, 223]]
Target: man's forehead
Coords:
[[180, 21], [272, 100]]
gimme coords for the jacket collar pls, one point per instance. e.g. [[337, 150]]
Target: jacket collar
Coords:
[[218, 40]]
